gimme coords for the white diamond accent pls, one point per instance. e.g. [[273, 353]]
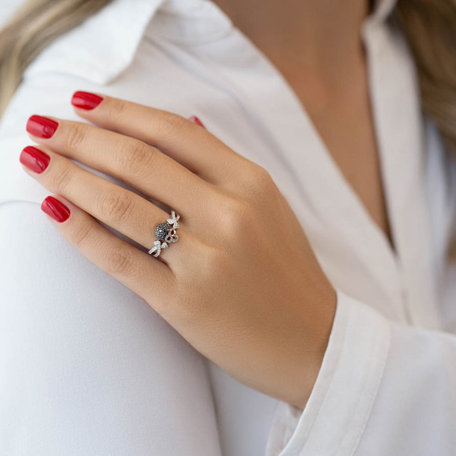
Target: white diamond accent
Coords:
[[171, 237]]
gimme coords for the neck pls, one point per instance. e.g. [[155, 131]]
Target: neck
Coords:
[[319, 34]]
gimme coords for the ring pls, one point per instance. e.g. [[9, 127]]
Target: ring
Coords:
[[165, 234]]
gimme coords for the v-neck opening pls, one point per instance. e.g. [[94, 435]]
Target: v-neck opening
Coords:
[[342, 182], [336, 222]]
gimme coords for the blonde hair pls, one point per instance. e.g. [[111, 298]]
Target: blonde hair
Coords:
[[35, 25], [430, 29]]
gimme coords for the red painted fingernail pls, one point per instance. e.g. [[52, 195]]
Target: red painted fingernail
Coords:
[[56, 209], [41, 126], [197, 121], [85, 100], [34, 159]]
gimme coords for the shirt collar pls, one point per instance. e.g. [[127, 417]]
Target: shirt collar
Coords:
[[105, 44], [102, 46], [381, 11]]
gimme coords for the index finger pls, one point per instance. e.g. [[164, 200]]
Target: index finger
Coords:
[[183, 140]]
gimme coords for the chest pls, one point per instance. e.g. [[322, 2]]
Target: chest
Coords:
[[342, 115]]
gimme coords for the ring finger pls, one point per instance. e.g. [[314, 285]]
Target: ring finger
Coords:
[[121, 209]]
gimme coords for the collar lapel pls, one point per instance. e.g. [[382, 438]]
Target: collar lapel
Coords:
[[338, 227], [102, 46], [400, 128]]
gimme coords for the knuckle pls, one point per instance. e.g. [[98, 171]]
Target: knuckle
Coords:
[[81, 234], [116, 207], [75, 135], [115, 108], [120, 262], [170, 123], [235, 216], [260, 178], [135, 157], [61, 179], [259, 187]]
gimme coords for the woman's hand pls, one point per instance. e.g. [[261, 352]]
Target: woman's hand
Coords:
[[241, 285]]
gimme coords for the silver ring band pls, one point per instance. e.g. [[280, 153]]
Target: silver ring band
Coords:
[[165, 234]]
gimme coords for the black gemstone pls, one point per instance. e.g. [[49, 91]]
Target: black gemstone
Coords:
[[162, 230]]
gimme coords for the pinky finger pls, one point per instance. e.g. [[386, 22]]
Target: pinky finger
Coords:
[[146, 276]]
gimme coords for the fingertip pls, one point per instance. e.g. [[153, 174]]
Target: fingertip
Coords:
[[41, 126], [196, 120], [55, 209], [86, 100]]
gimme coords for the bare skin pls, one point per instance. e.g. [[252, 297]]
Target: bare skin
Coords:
[[262, 315], [316, 46]]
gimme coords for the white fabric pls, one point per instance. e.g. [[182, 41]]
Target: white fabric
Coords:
[[87, 368]]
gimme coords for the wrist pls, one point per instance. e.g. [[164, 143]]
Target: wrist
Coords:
[[320, 343]]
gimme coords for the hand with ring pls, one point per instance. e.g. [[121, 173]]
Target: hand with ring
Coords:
[[237, 277]]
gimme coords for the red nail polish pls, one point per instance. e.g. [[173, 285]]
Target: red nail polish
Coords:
[[85, 100], [197, 121], [41, 126], [56, 209], [34, 159]]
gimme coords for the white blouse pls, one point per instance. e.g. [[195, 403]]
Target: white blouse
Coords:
[[87, 368]]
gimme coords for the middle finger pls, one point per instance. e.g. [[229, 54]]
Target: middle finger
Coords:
[[143, 167]]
